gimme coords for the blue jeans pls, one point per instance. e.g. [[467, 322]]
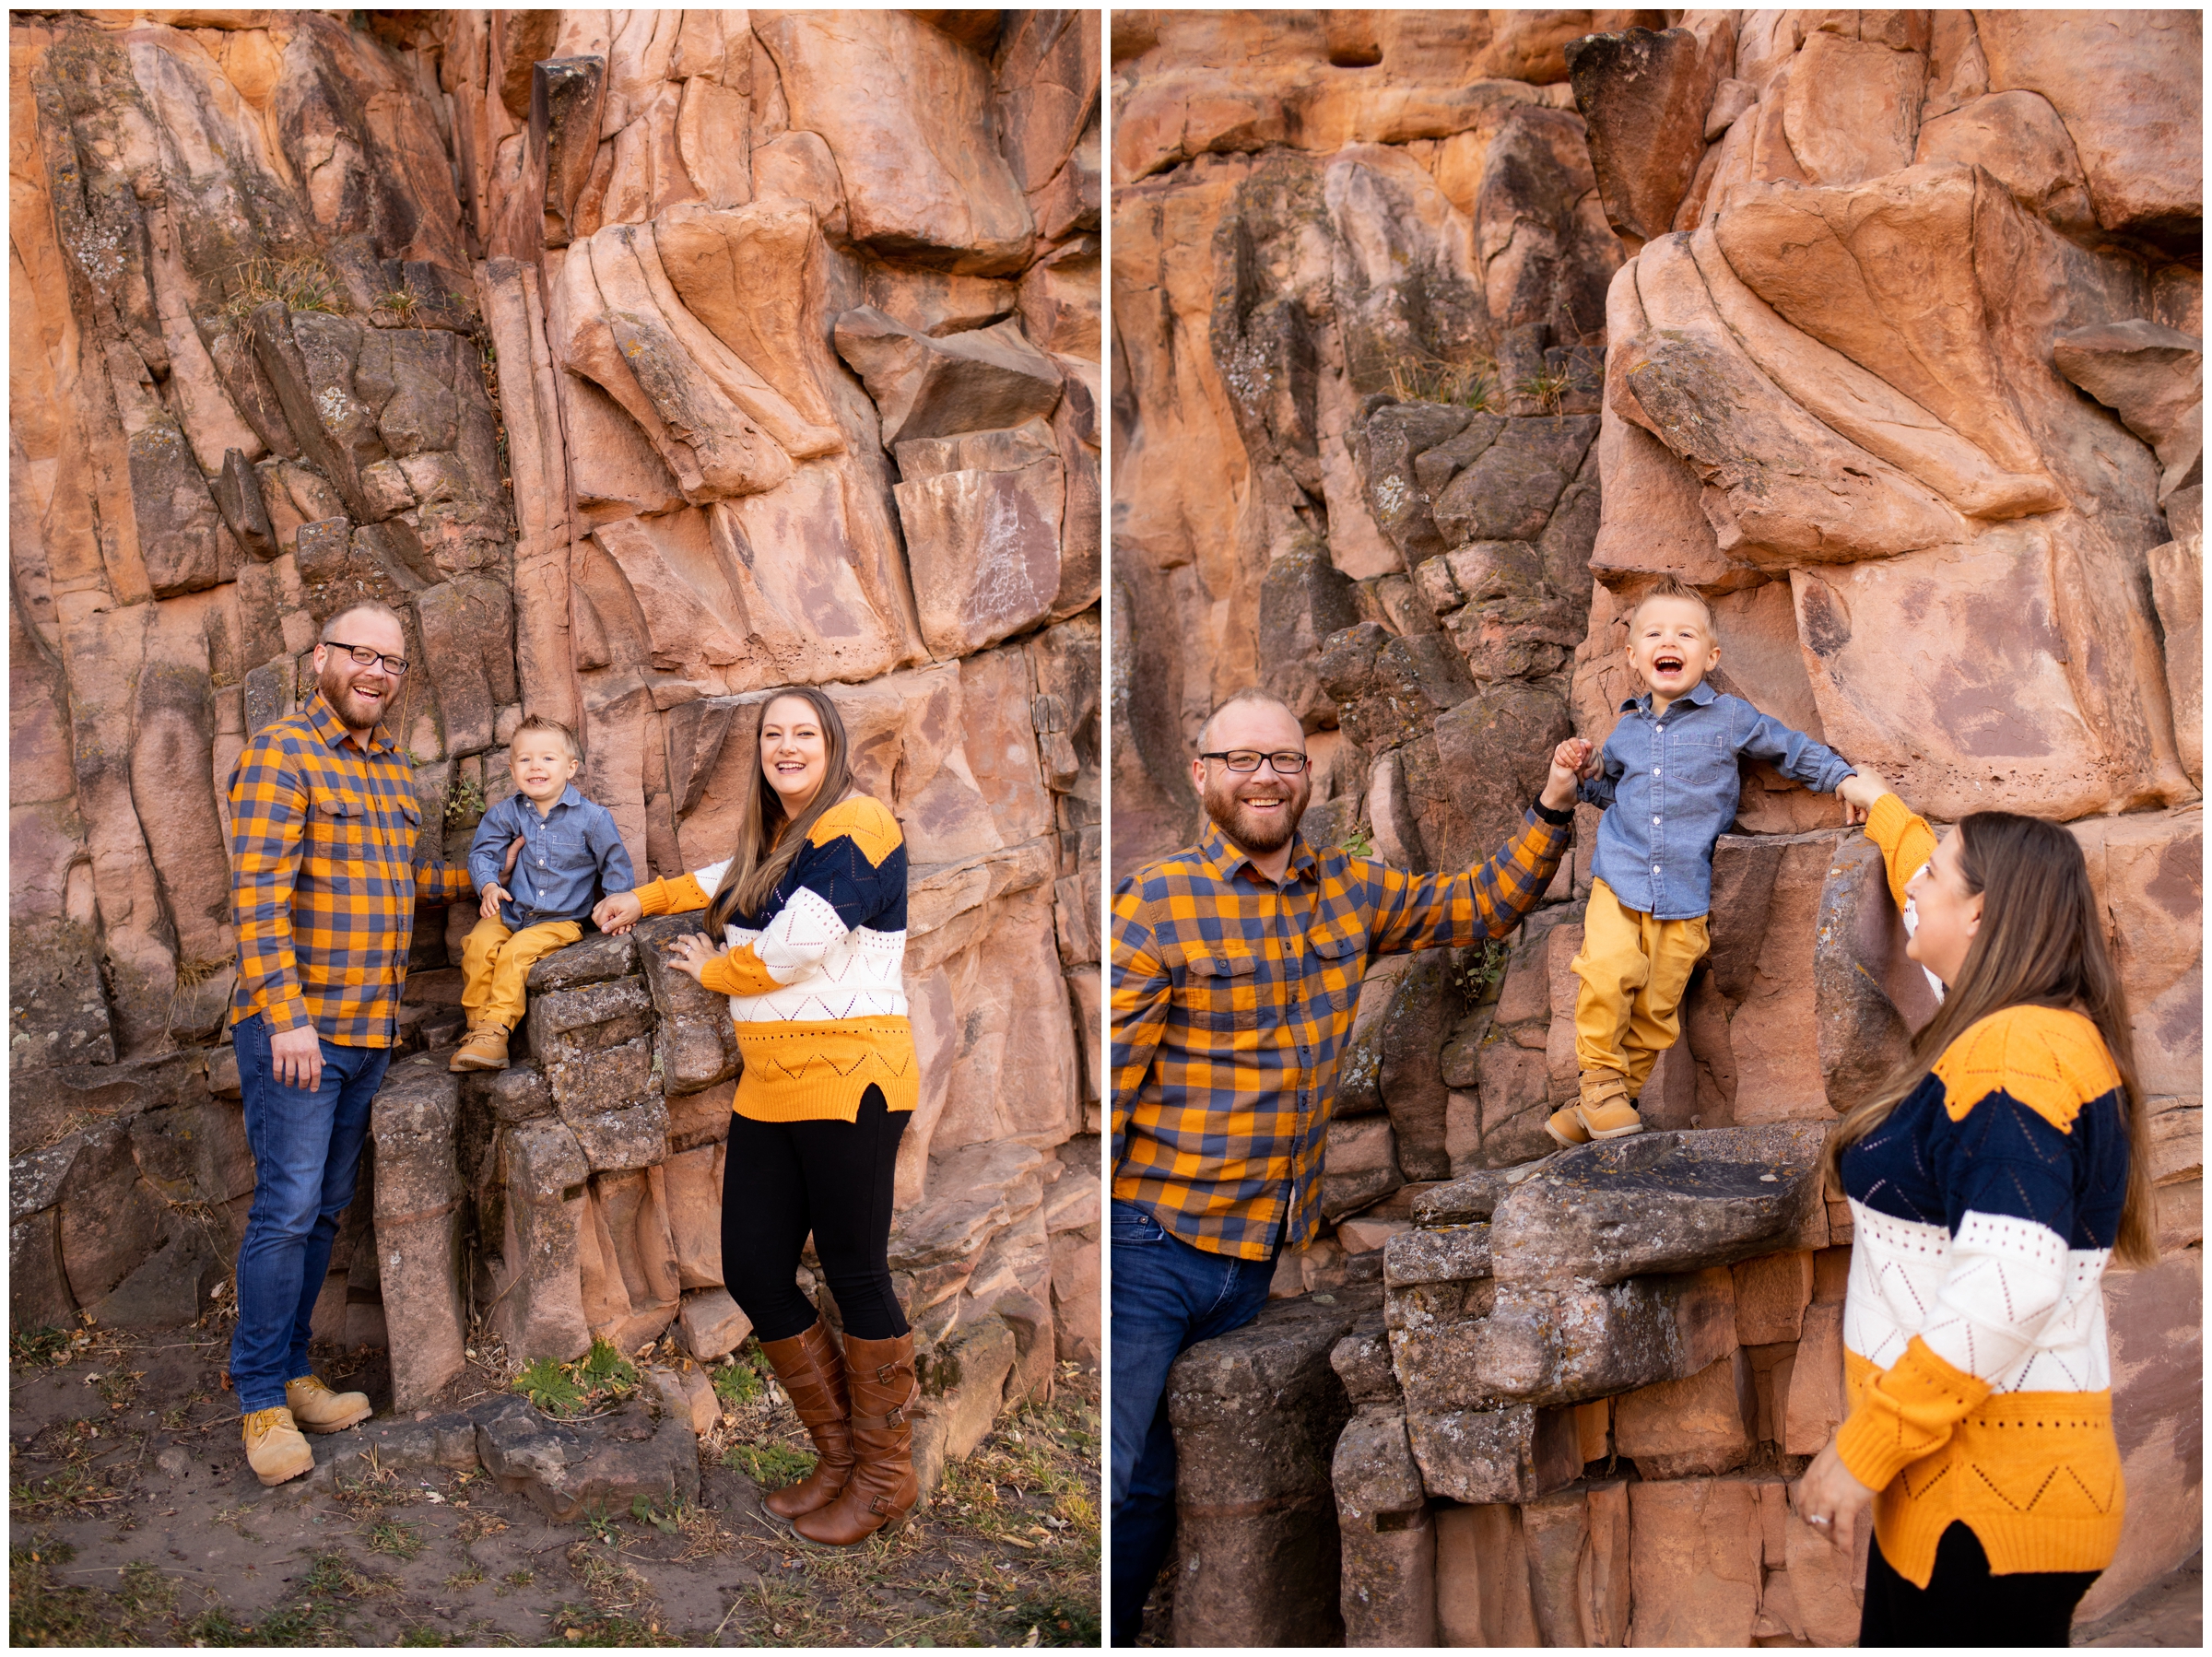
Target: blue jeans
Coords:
[[307, 1149], [1167, 1298]]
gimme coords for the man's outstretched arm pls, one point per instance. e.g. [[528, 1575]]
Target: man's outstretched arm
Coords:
[[1424, 911]]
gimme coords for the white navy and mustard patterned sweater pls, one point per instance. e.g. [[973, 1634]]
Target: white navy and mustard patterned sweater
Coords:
[[814, 980], [1984, 1208]]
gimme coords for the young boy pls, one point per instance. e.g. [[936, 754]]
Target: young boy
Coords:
[[571, 854], [1668, 779]]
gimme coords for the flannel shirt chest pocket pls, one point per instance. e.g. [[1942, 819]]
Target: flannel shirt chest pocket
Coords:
[[1220, 986], [340, 826], [1339, 961]]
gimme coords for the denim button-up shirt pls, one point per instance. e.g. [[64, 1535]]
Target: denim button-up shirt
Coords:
[[1669, 785], [566, 853]]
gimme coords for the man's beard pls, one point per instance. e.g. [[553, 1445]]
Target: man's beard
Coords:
[[337, 690], [1255, 833]]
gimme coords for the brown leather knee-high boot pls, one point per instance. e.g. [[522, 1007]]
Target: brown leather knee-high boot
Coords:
[[880, 1376], [813, 1373]]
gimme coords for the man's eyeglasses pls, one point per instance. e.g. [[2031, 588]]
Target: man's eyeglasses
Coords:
[[365, 657], [1288, 763]]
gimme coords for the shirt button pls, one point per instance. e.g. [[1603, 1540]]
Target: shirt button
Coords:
[[1655, 868], [1658, 771], [1655, 820]]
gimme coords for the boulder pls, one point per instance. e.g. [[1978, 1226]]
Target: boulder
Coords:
[[1513, 1454], [604, 1465], [1256, 1414], [1644, 97], [1388, 1583], [989, 379], [1703, 1424], [1695, 1552], [1658, 1203], [417, 1207]]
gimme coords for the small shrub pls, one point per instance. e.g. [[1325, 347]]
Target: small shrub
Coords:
[[466, 805], [604, 1372], [1359, 841], [304, 284], [548, 1385], [736, 1383]]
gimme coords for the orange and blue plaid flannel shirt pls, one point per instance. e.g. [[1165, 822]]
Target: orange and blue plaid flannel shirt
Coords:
[[322, 882], [1232, 999]]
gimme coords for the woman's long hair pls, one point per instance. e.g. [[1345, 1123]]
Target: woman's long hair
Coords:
[[2040, 944], [767, 840]]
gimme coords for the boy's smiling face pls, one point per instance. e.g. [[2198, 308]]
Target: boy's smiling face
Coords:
[[542, 766], [1671, 647]]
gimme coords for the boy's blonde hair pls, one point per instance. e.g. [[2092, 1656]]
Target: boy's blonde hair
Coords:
[[538, 721], [1667, 586]]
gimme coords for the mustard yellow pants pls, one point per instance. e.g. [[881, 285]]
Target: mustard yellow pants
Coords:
[[1634, 969], [494, 963]]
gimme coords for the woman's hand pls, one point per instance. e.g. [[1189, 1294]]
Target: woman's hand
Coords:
[[1858, 792], [1831, 1501], [690, 953], [617, 912]]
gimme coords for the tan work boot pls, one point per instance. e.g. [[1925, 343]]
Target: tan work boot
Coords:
[[1566, 1126], [486, 1049], [316, 1409], [274, 1448], [1606, 1112]]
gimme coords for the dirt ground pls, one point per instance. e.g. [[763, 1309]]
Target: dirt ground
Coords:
[[137, 1522]]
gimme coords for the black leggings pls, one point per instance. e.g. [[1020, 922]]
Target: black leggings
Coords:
[[1963, 1605], [782, 1179]]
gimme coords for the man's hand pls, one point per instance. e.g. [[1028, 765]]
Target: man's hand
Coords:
[[617, 912], [1571, 761], [514, 853], [494, 894], [296, 1057], [1859, 793]]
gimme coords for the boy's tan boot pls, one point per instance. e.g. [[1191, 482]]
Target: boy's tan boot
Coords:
[[1566, 1126], [316, 1409], [1606, 1112], [486, 1049], [274, 1448]]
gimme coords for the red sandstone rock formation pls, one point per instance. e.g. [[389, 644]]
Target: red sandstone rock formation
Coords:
[[646, 361], [1897, 361]]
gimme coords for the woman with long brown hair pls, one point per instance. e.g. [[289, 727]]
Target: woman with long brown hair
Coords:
[[1991, 1176], [812, 907]]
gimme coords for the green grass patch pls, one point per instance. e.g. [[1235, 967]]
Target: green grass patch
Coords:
[[392, 1537], [771, 1466], [47, 1345]]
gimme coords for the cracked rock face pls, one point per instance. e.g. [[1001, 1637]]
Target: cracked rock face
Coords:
[[528, 324]]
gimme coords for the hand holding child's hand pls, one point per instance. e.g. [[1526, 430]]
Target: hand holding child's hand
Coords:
[[494, 894], [1571, 761], [616, 912], [1859, 793]]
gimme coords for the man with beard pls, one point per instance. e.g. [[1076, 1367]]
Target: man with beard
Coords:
[[323, 887], [1236, 972]]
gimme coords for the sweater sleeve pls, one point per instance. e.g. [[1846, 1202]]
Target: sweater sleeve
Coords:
[[678, 895], [1906, 842], [2014, 1085]]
